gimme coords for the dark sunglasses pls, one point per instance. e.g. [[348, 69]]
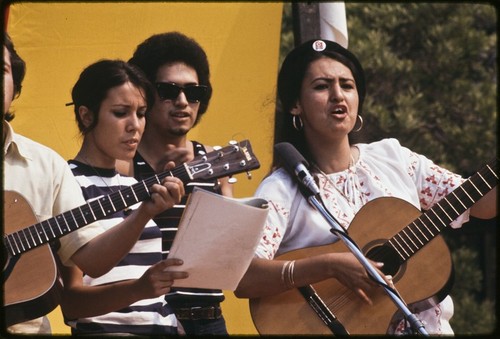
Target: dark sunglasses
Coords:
[[170, 91]]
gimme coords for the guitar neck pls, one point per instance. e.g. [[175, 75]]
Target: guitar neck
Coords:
[[229, 160], [425, 228], [62, 224]]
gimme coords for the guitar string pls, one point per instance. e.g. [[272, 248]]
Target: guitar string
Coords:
[[345, 298], [48, 225], [341, 301], [126, 210], [81, 218]]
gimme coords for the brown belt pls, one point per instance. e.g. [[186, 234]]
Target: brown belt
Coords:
[[198, 313]]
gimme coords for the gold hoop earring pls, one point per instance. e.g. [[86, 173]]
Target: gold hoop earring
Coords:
[[360, 124], [297, 125]]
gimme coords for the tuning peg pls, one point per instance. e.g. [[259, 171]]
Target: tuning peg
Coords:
[[249, 175]]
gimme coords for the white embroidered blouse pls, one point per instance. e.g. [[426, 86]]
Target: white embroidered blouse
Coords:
[[384, 169]]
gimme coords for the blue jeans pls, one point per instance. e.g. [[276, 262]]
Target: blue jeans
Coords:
[[205, 326]]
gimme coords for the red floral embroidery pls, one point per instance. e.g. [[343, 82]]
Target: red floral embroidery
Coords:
[[427, 191], [432, 179]]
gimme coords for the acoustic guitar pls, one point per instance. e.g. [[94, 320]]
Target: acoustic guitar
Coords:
[[30, 275], [388, 230]]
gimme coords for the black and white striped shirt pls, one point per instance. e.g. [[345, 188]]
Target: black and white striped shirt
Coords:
[[144, 317]]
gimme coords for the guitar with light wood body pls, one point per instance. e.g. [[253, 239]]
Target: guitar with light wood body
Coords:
[[389, 230], [33, 278]]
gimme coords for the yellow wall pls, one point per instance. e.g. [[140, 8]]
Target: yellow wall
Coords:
[[58, 40]]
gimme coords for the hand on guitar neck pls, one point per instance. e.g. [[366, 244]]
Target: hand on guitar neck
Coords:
[[27, 295], [386, 229]]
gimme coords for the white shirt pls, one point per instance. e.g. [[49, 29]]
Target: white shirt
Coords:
[[384, 169], [44, 179]]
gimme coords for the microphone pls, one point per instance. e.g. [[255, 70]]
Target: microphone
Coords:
[[297, 166]]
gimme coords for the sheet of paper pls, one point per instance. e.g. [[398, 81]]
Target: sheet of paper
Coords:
[[217, 238]]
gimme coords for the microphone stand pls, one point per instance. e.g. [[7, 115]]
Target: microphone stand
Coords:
[[414, 321]]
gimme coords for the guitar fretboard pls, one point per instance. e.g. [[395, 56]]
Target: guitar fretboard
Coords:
[[417, 234], [221, 162], [62, 224]]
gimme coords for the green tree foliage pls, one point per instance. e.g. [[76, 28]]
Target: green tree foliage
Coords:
[[431, 73], [473, 314], [287, 41]]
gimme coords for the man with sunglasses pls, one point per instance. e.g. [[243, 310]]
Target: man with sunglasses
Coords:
[[178, 67]]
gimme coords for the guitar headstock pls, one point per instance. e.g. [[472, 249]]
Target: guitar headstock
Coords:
[[235, 158]]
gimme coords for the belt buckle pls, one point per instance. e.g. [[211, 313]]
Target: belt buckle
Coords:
[[196, 315], [199, 313]]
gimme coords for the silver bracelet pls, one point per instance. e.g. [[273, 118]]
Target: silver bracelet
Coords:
[[291, 281], [284, 273]]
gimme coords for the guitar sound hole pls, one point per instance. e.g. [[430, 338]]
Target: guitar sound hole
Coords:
[[388, 256]]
